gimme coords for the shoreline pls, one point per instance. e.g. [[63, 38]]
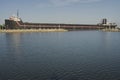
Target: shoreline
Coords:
[[32, 30], [111, 30]]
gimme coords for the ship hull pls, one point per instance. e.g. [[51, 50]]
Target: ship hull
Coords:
[[10, 24]]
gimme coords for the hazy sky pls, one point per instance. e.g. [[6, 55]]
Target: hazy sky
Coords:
[[62, 11]]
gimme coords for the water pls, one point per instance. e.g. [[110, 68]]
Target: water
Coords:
[[75, 55]]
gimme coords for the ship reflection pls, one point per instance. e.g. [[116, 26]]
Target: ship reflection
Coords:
[[13, 42]]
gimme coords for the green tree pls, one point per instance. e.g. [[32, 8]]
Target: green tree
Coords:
[[2, 26]]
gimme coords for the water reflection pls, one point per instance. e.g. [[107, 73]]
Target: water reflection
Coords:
[[13, 38]]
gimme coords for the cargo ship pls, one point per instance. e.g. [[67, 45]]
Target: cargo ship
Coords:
[[16, 23]]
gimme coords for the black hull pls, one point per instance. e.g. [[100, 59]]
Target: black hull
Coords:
[[10, 24]]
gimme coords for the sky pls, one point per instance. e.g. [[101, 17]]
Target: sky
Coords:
[[61, 11]]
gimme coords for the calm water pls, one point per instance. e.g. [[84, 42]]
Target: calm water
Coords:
[[75, 55]]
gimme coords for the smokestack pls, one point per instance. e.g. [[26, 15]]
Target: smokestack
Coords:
[[104, 21]]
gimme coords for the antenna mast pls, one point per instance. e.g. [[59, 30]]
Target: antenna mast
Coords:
[[17, 13]]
